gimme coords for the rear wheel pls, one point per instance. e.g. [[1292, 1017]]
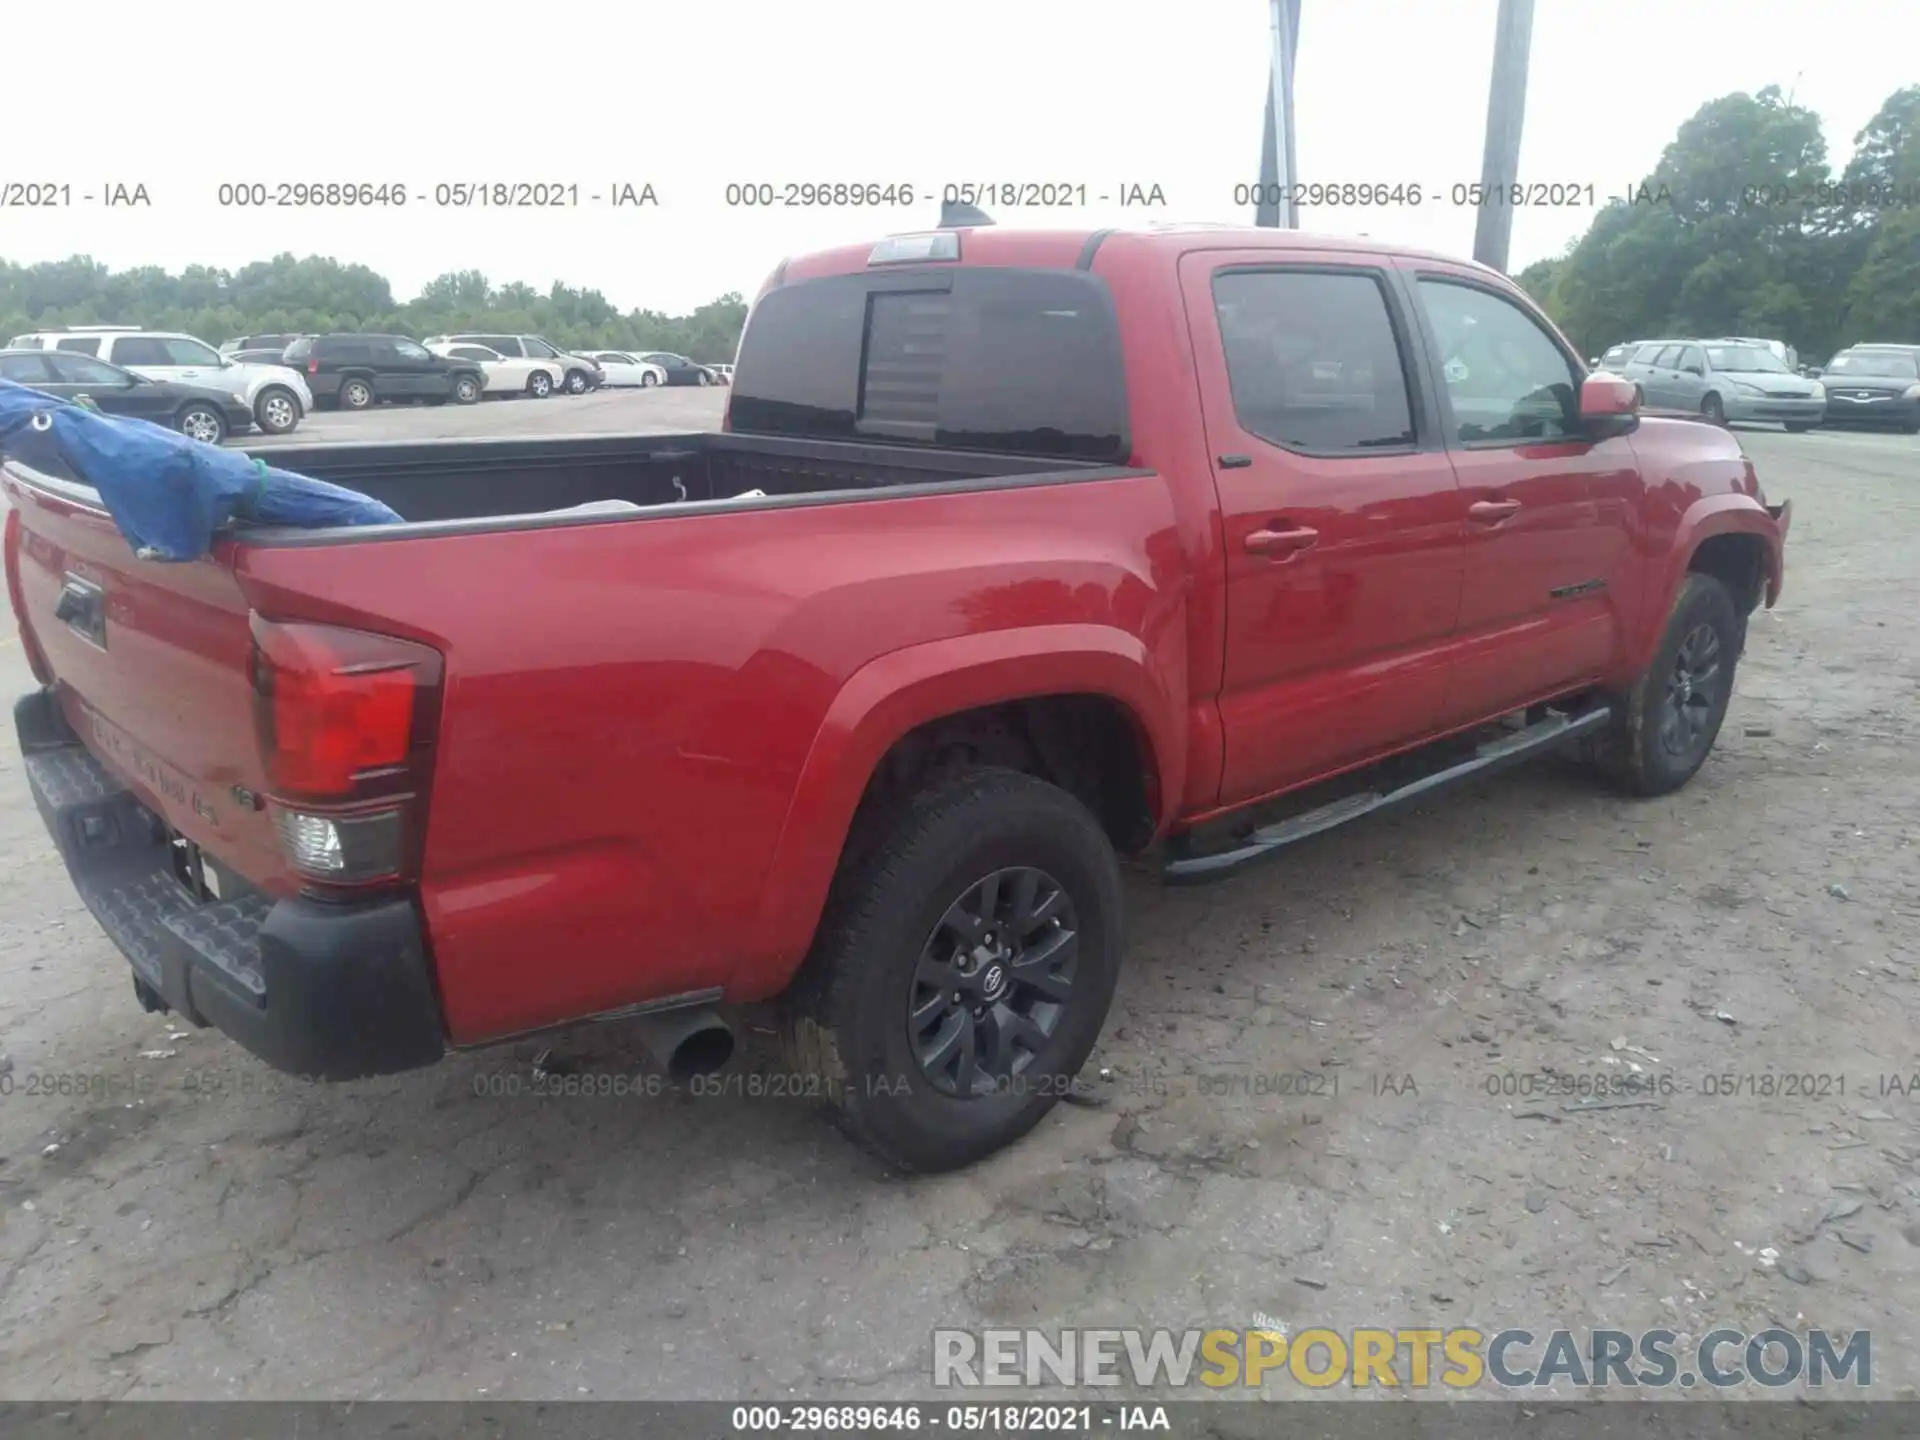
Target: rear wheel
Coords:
[[203, 423], [276, 411], [1713, 411], [356, 393], [963, 970], [1672, 716], [466, 389], [540, 384]]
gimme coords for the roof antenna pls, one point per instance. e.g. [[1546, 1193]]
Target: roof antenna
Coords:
[[957, 214]]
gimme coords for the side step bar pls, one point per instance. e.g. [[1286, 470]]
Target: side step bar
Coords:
[[1496, 754]]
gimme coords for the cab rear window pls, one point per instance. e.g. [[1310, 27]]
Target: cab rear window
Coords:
[[1022, 362]]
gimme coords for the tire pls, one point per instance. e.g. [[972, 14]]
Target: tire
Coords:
[[705, 379], [1712, 411], [647, 380], [1798, 427], [576, 382], [540, 385], [276, 410], [356, 393], [202, 422], [1667, 729], [892, 919], [467, 389]]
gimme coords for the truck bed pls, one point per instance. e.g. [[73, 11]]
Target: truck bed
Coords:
[[432, 482]]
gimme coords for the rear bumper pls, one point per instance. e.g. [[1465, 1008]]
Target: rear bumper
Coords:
[[327, 991]]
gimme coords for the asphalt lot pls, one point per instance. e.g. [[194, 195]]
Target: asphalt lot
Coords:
[[605, 412], [191, 1225]]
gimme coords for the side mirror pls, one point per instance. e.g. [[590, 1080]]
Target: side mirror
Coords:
[[1609, 406]]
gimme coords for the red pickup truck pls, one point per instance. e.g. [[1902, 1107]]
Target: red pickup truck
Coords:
[[1017, 552]]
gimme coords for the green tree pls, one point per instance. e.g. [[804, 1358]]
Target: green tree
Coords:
[[1741, 228]]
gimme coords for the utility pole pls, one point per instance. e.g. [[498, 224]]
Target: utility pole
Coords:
[[1277, 171], [1506, 107]]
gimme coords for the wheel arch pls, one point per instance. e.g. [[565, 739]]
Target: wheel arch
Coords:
[[1731, 537], [1084, 706]]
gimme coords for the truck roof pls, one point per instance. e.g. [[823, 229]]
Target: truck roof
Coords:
[[1067, 249]]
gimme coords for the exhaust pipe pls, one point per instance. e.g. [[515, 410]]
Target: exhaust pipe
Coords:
[[685, 1043]]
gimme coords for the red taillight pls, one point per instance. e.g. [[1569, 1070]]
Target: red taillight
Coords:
[[35, 660], [346, 723], [313, 367]]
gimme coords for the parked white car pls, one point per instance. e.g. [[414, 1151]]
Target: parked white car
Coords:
[[277, 394], [505, 375], [579, 372], [620, 368]]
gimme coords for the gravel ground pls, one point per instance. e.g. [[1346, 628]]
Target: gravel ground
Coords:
[[603, 412], [223, 1233]]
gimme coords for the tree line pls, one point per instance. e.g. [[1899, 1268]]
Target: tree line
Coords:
[[315, 295], [1745, 228]]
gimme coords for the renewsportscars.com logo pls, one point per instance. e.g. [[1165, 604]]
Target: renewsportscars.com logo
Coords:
[[1456, 1358]]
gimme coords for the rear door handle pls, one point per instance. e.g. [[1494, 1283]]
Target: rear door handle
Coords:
[[1281, 542], [1492, 512]]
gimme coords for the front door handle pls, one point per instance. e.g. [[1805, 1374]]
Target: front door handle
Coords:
[[1492, 512], [1281, 542]]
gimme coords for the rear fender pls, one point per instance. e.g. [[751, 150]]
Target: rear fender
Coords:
[[905, 689]]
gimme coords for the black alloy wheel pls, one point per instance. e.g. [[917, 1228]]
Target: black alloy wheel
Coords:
[[1693, 693], [993, 981]]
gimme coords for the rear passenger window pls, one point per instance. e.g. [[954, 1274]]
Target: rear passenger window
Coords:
[[141, 350], [1019, 362], [79, 347], [1313, 360], [1506, 380], [25, 370]]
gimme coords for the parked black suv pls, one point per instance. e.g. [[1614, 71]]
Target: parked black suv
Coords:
[[354, 372]]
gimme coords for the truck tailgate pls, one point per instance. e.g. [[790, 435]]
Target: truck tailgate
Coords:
[[150, 663]]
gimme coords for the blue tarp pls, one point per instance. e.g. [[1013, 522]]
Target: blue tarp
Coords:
[[168, 494]]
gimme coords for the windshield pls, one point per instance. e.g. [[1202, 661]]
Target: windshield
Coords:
[[1890, 364], [1746, 357]]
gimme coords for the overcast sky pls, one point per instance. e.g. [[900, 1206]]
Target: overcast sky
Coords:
[[691, 97]]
